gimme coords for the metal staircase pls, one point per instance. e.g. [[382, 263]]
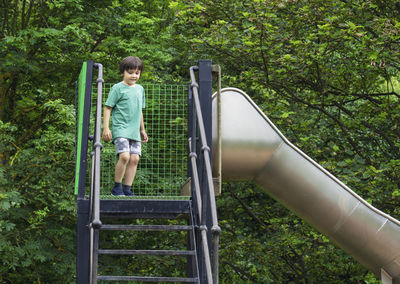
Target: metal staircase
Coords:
[[176, 209], [201, 227]]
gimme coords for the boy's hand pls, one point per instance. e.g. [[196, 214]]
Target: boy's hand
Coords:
[[145, 138], [107, 136]]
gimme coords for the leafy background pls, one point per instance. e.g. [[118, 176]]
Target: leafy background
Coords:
[[325, 72]]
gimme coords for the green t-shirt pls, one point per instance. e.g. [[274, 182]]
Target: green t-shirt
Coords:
[[127, 104]]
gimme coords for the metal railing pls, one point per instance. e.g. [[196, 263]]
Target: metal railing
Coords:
[[94, 204], [211, 270], [163, 166]]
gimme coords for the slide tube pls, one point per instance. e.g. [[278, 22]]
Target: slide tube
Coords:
[[253, 149]]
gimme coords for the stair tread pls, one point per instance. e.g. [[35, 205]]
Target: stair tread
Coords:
[[147, 227], [126, 206], [148, 278], [146, 252]]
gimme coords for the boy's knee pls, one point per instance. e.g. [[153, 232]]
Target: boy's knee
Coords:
[[124, 157], [134, 159]]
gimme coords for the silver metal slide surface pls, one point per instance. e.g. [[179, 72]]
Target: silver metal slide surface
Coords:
[[254, 149]]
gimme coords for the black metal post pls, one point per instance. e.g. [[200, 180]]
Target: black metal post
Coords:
[[83, 240], [191, 125], [205, 93], [191, 121], [194, 136], [83, 236]]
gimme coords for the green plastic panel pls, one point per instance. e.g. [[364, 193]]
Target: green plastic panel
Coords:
[[80, 107]]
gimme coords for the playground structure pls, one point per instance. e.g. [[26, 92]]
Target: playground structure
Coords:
[[260, 154], [158, 187]]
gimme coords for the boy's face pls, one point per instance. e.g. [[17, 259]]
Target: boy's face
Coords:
[[131, 76]]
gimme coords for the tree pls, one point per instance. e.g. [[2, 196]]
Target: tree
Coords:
[[325, 73], [42, 46]]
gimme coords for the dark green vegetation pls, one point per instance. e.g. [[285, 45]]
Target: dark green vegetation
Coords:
[[325, 72]]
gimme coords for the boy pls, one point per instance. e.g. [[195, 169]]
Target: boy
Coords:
[[125, 102]]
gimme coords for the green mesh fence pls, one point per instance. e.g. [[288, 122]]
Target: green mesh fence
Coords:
[[162, 167]]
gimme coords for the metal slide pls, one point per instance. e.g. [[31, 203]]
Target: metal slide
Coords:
[[254, 149]]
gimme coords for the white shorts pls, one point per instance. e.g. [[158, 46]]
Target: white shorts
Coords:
[[127, 145]]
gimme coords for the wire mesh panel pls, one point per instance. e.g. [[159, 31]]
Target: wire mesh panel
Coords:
[[162, 167]]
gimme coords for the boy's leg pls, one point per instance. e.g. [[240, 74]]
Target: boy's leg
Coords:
[[131, 169], [120, 167], [135, 150], [123, 159]]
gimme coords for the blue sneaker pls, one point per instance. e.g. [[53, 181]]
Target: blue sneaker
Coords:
[[127, 191], [117, 191]]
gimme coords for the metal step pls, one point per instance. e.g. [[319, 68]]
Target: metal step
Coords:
[[146, 252], [146, 227], [148, 279], [131, 208]]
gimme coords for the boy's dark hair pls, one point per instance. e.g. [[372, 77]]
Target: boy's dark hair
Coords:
[[130, 63]]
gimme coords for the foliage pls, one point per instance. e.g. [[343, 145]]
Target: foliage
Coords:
[[263, 242], [36, 209], [326, 73], [42, 45]]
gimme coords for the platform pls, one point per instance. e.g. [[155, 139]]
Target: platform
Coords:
[[138, 208]]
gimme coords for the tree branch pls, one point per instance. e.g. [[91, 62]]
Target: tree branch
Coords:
[[248, 210], [393, 147], [240, 271]]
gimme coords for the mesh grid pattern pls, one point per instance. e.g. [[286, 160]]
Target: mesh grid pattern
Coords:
[[162, 168]]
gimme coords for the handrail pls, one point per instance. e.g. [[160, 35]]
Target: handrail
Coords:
[[193, 158], [215, 229], [96, 223], [203, 228], [94, 198]]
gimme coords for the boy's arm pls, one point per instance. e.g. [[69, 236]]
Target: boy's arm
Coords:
[[107, 136], [143, 133]]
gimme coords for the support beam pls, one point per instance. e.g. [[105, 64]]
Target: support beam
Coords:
[[385, 277], [83, 240], [205, 96]]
